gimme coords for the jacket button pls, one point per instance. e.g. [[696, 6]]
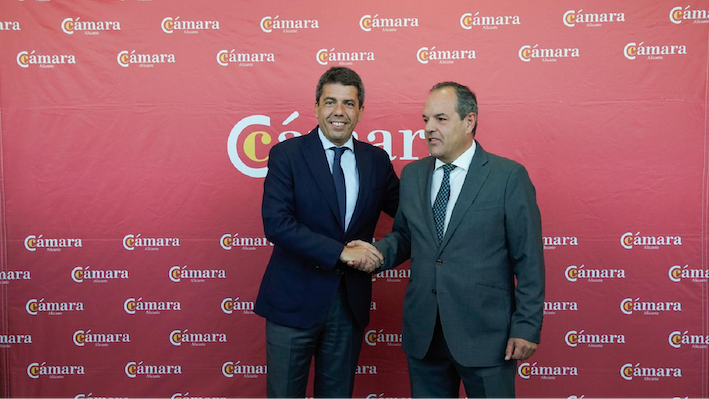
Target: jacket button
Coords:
[[338, 272], [434, 292], [439, 262]]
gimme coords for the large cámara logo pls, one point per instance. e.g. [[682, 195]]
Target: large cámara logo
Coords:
[[81, 338], [424, 55], [575, 338], [179, 337], [36, 370], [33, 242], [369, 22], [80, 274], [248, 144], [232, 369], [632, 50], [6, 276], [135, 369], [9, 25], [132, 305], [25, 59], [697, 16], [133, 241], [571, 18], [226, 57], [231, 305], [229, 241], [37, 306]]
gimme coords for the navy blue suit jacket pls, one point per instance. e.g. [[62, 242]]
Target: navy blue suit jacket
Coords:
[[300, 216]]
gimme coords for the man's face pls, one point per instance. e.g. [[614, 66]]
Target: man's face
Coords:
[[338, 111], [447, 136]]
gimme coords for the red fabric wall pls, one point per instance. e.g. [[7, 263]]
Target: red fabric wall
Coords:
[[134, 143]]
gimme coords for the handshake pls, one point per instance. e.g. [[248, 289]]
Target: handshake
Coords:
[[362, 256]]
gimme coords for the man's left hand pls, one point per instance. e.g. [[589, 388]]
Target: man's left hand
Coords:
[[519, 349]]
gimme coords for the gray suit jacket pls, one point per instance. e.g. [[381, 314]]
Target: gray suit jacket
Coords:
[[493, 237]]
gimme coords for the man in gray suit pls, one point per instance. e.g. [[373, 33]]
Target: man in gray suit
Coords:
[[469, 221]]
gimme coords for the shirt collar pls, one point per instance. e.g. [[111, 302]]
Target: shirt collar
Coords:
[[463, 161], [327, 144]]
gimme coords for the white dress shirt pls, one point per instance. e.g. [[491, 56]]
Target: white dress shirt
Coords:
[[348, 163], [457, 178]]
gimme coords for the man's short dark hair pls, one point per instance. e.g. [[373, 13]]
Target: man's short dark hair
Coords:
[[467, 102], [343, 76]]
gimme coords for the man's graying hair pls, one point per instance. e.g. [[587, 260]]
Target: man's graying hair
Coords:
[[343, 76], [467, 102]]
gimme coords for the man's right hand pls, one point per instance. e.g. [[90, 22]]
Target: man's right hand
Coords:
[[362, 256]]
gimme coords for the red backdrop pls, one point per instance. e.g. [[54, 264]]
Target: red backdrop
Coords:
[[134, 143]]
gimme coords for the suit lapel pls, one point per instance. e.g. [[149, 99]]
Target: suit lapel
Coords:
[[317, 163], [474, 180], [424, 181], [363, 157]]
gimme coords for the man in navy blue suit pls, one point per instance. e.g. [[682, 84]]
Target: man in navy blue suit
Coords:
[[322, 190]]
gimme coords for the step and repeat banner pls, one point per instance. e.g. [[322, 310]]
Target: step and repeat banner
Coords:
[[135, 137]]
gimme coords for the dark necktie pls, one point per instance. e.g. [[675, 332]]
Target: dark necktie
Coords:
[[441, 202], [338, 176]]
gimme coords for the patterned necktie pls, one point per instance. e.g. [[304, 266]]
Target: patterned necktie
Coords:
[[441, 202], [338, 176]]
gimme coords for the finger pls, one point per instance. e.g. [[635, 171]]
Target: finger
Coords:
[[509, 349]]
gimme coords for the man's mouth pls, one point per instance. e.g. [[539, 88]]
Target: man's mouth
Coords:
[[338, 124]]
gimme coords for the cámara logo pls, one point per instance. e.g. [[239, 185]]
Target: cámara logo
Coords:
[[27, 58], [33, 242], [628, 372], [11, 275], [630, 240], [527, 371], [573, 273], [248, 147], [679, 14], [573, 338], [177, 273], [368, 22], [677, 273], [71, 25], [470, 20], [424, 55], [79, 274], [14, 339], [553, 307], [226, 57], [230, 305], [36, 370], [374, 337], [229, 241], [132, 305], [134, 369], [9, 25], [178, 337], [325, 56], [81, 338], [35, 306], [527, 53], [630, 305], [558, 241], [679, 338], [571, 18], [170, 24], [231, 369], [396, 275], [268, 24], [131, 242], [653, 52], [144, 60]]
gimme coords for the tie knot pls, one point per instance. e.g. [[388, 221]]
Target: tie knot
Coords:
[[339, 151], [447, 168]]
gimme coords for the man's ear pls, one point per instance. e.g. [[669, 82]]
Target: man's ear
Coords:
[[470, 120]]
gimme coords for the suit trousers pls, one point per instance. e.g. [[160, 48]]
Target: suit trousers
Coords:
[[335, 341], [438, 375]]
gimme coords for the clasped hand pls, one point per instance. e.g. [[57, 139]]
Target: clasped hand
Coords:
[[362, 256]]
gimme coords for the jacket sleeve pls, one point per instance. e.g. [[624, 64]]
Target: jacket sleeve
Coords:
[[524, 236]]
